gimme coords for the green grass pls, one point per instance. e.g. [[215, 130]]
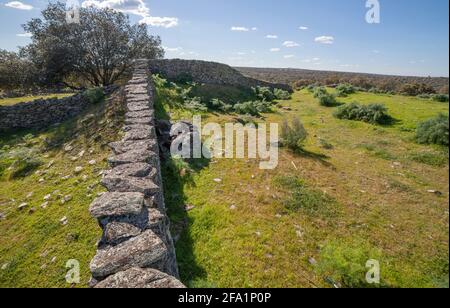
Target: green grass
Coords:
[[35, 246], [366, 196], [17, 100]]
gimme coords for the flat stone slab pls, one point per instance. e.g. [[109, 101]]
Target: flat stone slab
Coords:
[[138, 106], [116, 232], [140, 114], [138, 278], [143, 127], [140, 120], [130, 184], [136, 170], [133, 156], [117, 204], [139, 134], [144, 250], [122, 147]]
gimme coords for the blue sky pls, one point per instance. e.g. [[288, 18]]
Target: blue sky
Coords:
[[411, 38]]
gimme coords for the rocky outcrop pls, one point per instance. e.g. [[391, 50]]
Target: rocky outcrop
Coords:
[[207, 73], [136, 249]]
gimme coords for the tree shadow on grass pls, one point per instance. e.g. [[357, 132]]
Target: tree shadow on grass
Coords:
[[319, 157]]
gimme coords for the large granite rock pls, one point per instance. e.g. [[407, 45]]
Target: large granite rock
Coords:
[[133, 156], [122, 147], [117, 232], [131, 184], [144, 250], [117, 204], [138, 278]]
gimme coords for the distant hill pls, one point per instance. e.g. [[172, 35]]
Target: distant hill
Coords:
[[301, 77]]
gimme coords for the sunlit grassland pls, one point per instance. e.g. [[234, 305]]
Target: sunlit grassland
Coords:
[[240, 232], [35, 246], [17, 100]]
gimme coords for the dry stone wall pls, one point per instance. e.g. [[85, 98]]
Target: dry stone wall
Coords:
[[41, 113], [208, 73], [136, 249]]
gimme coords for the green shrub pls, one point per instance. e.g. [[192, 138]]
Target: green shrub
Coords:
[[319, 91], [343, 90], [20, 162], [94, 95], [293, 136], [442, 98], [436, 159], [195, 104], [282, 94], [374, 113], [424, 96], [253, 108], [433, 131], [217, 104], [327, 100], [264, 94]]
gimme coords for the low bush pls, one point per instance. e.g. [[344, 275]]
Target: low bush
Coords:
[[282, 94], [345, 89], [19, 162], [293, 135], [94, 95], [319, 91], [253, 108], [195, 104], [264, 94], [442, 98], [374, 113], [327, 100], [217, 104], [433, 131]]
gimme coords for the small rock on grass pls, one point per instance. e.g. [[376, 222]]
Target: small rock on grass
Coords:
[[2, 216], [22, 206], [78, 169], [5, 266], [63, 221], [233, 207], [189, 207], [218, 180], [436, 192]]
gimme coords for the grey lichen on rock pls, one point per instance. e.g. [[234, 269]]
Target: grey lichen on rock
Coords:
[[117, 204]]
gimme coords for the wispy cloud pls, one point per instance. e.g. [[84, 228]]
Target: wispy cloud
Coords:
[[290, 44], [173, 49], [272, 36], [135, 7], [24, 35], [328, 40], [19, 5], [240, 29], [275, 49], [303, 28], [289, 56]]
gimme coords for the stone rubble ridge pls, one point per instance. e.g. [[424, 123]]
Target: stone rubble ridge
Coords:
[[136, 249]]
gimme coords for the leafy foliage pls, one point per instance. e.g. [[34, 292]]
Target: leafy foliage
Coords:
[[433, 131], [253, 108], [345, 89], [373, 113], [94, 95], [442, 98], [281, 94], [293, 135]]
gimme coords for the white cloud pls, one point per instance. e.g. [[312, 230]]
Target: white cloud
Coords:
[[272, 36], [24, 35], [303, 28], [19, 5], [328, 40], [173, 49], [275, 49], [290, 44], [164, 22], [313, 60], [289, 56], [135, 7], [254, 29], [240, 29]]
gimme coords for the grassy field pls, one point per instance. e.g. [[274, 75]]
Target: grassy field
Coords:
[[36, 241], [17, 100], [358, 192]]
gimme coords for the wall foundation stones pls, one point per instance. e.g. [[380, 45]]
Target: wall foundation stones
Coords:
[[136, 249]]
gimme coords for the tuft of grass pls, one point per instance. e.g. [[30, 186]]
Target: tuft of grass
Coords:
[[435, 159], [303, 198]]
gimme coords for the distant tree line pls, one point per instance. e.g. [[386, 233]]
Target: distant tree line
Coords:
[[298, 78], [98, 51]]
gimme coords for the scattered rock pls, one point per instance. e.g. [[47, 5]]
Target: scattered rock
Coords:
[[312, 261], [5, 266], [30, 195], [138, 278], [233, 207], [22, 206], [218, 180], [47, 197], [68, 148], [188, 207], [436, 192], [2, 216], [53, 260], [32, 210], [92, 162], [41, 180], [44, 205], [64, 221], [78, 170], [258, 234]]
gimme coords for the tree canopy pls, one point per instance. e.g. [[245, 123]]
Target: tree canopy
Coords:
[[100, 49]]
